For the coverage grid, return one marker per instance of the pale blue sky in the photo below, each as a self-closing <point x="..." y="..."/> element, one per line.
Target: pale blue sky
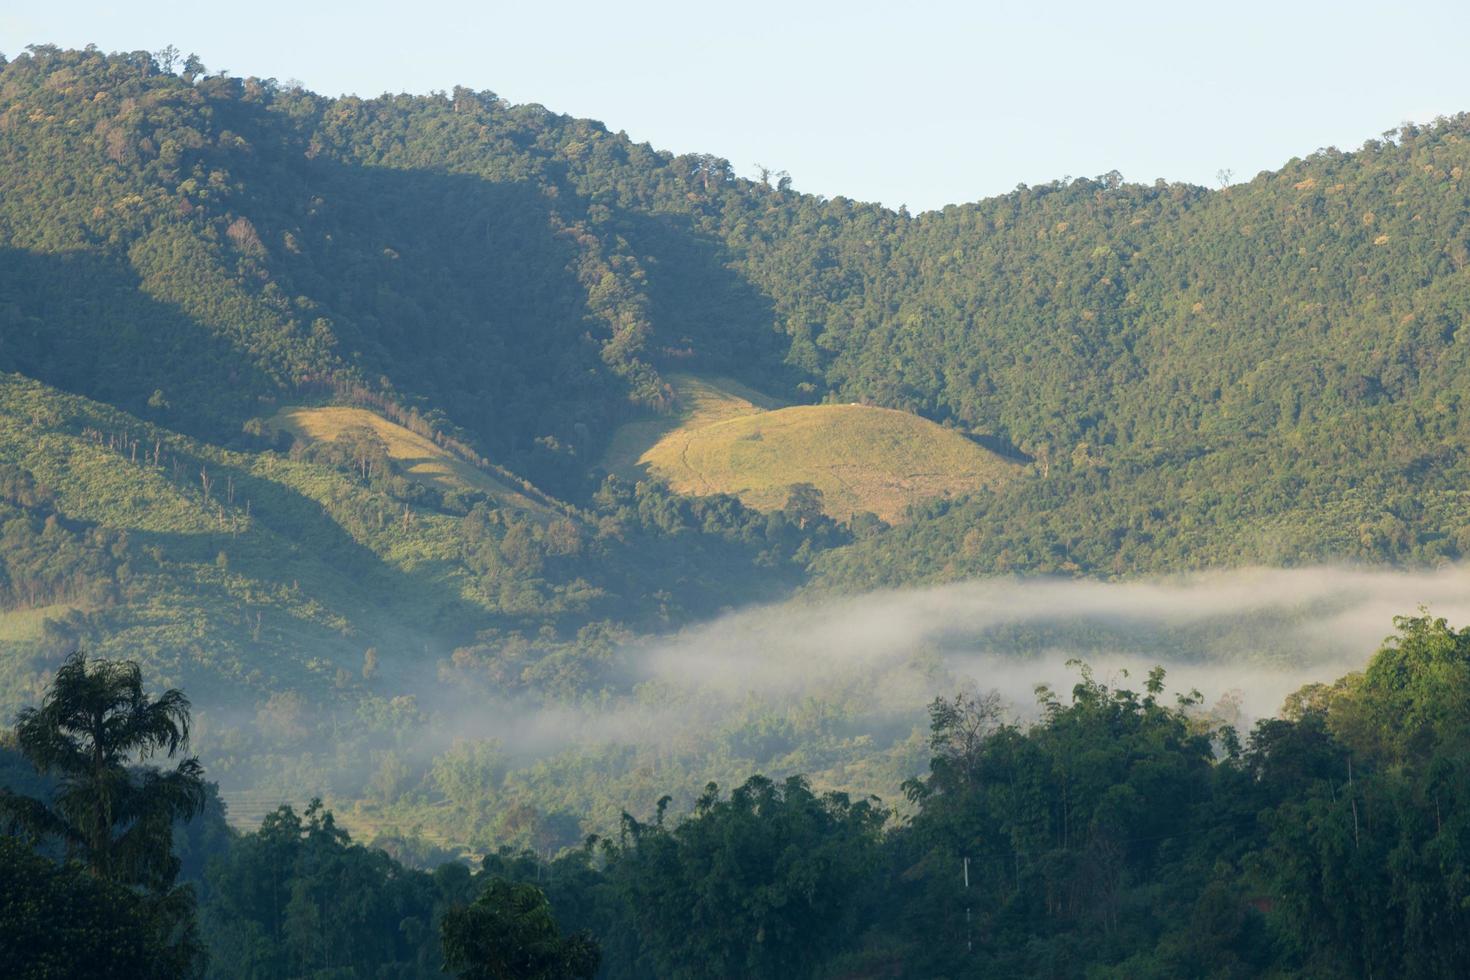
<point x="917" y="103"/>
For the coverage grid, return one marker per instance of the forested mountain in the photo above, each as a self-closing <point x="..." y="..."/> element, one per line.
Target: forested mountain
<point x="1177" y="378"/>
<point x="1183" y="365"/>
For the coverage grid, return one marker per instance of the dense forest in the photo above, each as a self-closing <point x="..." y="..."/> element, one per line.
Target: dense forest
<point x="1119" y="834"/>
<point x="1201" y="377"/>
<point x="524" y="650"/>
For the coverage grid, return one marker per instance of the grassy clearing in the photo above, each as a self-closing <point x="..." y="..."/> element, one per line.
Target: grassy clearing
<point x="420" y="458"/>
<point x="697" y="402"/>
<point x="26" y="625"/>
<point x="726" y="438"/>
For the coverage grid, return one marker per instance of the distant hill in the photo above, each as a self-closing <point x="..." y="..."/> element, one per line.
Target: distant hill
<point x="518" y="286"/>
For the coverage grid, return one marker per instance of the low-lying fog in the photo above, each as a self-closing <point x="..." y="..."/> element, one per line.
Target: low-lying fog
<point x="840" y="686"/>
<point x="1259" y="633"/>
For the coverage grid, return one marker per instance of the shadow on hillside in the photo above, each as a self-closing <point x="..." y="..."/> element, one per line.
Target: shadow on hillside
<point x="472" y="292"/>
<point x="1001" y="446"/>
<point x="474" y="295"/>
<point x="462" y="292"/>
<point x="467" y="297"/>
<point x="80" y="322"/>
<point x="299" y="542"/>
<point x="710" y="319"/>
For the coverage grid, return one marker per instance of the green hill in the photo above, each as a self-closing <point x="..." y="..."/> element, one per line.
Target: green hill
<point x="517" y="285"/>
<point x="260" y="580"/>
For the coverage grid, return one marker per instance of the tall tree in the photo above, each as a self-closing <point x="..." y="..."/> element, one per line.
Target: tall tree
<point x="56" y="920"/>
<point x="115" y="819"/>
<point x="93" y="729"/>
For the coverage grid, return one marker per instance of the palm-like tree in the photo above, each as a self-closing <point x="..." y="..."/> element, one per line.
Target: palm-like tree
<point x="93" y="730"/>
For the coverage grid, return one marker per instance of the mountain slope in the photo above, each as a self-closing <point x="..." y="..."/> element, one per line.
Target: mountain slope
<point x="521" y="284"/>
<point x="509" y="304"/>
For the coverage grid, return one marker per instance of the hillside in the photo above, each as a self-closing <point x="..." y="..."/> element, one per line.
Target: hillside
<point x="290" y="378"/>
<point x="419" y="458"/>
<point x="517" y="285"/>
<point x="694" y="402"/>
<point x="307" y="603"/>
<point x="728" y="439"/>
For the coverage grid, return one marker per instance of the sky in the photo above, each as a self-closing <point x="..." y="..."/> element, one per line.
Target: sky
<point x="922" y="103"/>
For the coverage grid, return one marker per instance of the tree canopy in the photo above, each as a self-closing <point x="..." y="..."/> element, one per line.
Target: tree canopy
<point x="111" y="815"/>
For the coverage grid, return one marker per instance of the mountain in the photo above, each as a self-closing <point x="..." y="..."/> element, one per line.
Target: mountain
<point x="312" y="403"/>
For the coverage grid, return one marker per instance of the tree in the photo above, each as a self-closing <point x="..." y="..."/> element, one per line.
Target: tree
<point x="114" y="818"/>
<point x="93" y="727"/>
<point x="762" y="884"/>
<point x="509" y="934"/>
<point x="167" y="57"/>
<point x="56" y="920"/>
<point x="298" y="898"/>
<point x="804" y="503"/>
<point x="957" y="732"/>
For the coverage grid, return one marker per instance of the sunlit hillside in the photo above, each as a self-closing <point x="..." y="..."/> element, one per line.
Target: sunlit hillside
<point x="418" y="458"/>
<point x="729" y="439"/>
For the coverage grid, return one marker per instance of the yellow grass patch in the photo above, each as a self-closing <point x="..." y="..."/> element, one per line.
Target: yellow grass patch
<point x="419" y="458"/>
<point x="697" y="401"/>
<point x="21" y="625"/>
<point x="729" y="439"/>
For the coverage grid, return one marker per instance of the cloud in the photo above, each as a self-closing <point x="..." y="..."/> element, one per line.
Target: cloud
<point x="883" y="656"/>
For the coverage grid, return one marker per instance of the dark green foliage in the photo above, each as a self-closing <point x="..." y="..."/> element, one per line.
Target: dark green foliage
<point x="1117" y="836"/>
<point x="1071" y="830"/>
<point x="111" y="815"/>
<point x="1370" y="859"/>
<point x="297" y="897"/>
<point x="59" y="921"/>
<point x="90" y="732"/>
<point x="762" y="884"/>
<point x="1110" y="835"/>
<point x="508" y="933"/>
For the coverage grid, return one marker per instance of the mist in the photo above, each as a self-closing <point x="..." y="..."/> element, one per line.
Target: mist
<point x="1259" y="634"/>
<point x="838" y="688"/>
<point x="1264" y="632"/>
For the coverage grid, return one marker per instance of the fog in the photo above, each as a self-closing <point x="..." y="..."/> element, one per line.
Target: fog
<point x="1261" y="633"/>
<point x="837" y="686"/>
